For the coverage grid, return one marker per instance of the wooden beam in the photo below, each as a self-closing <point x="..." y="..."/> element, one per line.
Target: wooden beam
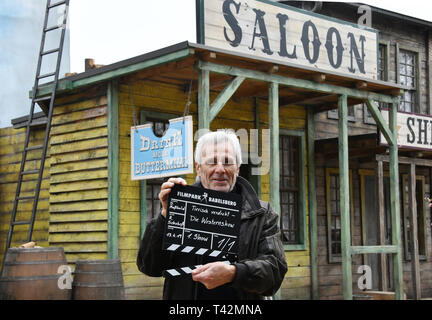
<point x="412" y="205"/>
<point x="320" y="78"/>
<point x="273" y="113"/>
<point x="362" y="85"/>
<point x="344" y="197"/>
<point x="113" y="170"/>
<point x="395" y="206"/>
<point x="204" y="99"/>
<point x="405" y="160"/>
<point x="313" y="219"/>
<point x="379" y="176"/>
<point x="294" y="82"/>
<point x="273" y="110"/>
<point x="224" y="96"/>
<point x="373" y="249"/>
<point x="376" y="114"/>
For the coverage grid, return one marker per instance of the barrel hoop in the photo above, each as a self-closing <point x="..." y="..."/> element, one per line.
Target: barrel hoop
<point x="36" y="250"/>
<point x="12" y="279"/>
<point x="98" y="272"/>
<point x="9" y="263"/>
<point x="95" y="285"/>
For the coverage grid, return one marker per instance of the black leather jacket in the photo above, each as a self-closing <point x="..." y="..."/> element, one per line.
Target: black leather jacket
<point x="261" y="264"/>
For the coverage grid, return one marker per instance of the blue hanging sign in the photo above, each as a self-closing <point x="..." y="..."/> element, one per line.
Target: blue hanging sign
<point x="171" y="155"/>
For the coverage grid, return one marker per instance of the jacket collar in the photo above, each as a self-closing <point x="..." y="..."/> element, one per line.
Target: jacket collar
<point x="251" y="206"/>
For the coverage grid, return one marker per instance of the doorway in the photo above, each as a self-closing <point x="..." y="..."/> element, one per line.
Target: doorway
<point x="371" y="229"/>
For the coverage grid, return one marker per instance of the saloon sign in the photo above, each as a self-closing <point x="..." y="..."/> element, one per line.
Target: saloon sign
<point x="289" y="35"/>
<point x="414" y="131"/>
<point x="156" y="157"/>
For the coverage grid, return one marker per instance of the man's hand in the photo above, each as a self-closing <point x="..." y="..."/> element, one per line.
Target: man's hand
<point x="214" y="274"/>
<point x="166" y="189"/>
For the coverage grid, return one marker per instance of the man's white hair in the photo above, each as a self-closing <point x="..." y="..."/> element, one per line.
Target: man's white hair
<point x="216" y="137"/>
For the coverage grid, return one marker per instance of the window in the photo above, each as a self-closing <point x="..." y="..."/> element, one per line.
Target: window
<point x="289" y="188"/>
<point x="333" y="214"/>
<point x="292" y="191"/>
<point x="382" y="62"/>
<point x="333" y="114"/>
<point x="408" y="78"/>
<point x="421" y="217"/>
<point x="383" y="76"/>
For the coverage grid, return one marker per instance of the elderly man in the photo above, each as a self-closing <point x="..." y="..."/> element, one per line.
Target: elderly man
<point x="261" y="263"/>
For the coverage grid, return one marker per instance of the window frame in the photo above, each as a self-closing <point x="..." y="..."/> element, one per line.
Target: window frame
<point x="302" y="201"/>
<point x="367" y="118"/>
<point x="332" y="258"/>
<point x="417" y="88"/>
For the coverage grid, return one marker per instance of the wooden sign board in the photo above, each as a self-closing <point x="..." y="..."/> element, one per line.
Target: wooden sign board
<point x="202" y="221"/>
<point x="155" y="157"/>
<point x="414" y="131"/>
<point x="287" y="34"/>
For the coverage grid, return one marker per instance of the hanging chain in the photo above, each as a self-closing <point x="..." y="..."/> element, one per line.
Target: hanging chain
<point x="189" y="102"/>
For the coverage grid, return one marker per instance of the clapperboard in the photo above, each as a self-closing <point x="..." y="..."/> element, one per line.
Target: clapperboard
<point x="202" y="222"/>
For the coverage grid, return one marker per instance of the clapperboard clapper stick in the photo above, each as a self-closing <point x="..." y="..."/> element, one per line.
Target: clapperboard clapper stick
<point x="176" y="272"/>
<point x="202" y="222"/>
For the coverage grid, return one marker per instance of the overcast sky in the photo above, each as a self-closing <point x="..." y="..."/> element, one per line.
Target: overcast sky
<point x="111" y="30"/>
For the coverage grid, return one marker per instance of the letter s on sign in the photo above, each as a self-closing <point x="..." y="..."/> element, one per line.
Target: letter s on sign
<point x="233" y="23"/>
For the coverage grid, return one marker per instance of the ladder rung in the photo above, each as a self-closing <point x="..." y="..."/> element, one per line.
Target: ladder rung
<point x="52" y="28"/>
<point x="46" y="75"/>
<point x="56" y="4"/>
<point x="50" y="51"/>
<point x="26" y="198"/>
<point x="46" y="98"/>
<point x="18" y="223"/>
<point x="34" y="148"/>
<point x="29" y="172"/>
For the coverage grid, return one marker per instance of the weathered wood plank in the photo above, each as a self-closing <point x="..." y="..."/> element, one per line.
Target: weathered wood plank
<point x="344" y="196"/>
<point x="79" y="136"/>
<point x="79" y="156"/>
<point x="77" y="227"/>
<point x="91" y="144"/>
<point x="79" y="206"/>
<point x="84" y="217"/>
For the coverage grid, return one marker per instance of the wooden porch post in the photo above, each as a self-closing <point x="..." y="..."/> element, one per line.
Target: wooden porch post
<point x="395" y="205"/>
<point x="274" y="145"/>
<point x="344" y="198"/>
<point x="273" y="110"/>
<point x="313" y="230"/>
<point x="113" y="170"/>
<point x="412" y="203"/>
<point x="382" y="230"/>
<point x="204" y="99"/>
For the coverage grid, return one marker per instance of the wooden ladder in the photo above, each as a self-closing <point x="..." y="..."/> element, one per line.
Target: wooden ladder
<point x="63" y="7"/>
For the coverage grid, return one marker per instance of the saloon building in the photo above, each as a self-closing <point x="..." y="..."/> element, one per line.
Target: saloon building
<point x="321" y="102"/>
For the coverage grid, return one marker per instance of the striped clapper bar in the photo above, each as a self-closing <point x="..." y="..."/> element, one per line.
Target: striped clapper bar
<point x="197" y="251"/>
<point x="182" y="271"/>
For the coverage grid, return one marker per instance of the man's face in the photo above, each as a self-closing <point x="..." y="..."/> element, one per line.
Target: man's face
<point x="218" y="169"/>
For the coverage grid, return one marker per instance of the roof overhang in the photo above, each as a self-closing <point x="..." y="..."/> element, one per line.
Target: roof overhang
<point x="177" y="64"/>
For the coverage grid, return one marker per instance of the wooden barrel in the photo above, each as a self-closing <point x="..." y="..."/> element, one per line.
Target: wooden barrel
<point x="32" y="274"/>
<point x="98" y="280"/>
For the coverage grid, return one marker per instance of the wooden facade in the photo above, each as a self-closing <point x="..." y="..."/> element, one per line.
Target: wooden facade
<point x="95" y="211"/>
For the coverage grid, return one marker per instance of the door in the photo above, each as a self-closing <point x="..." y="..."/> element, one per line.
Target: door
<point x="371" y="228"/>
